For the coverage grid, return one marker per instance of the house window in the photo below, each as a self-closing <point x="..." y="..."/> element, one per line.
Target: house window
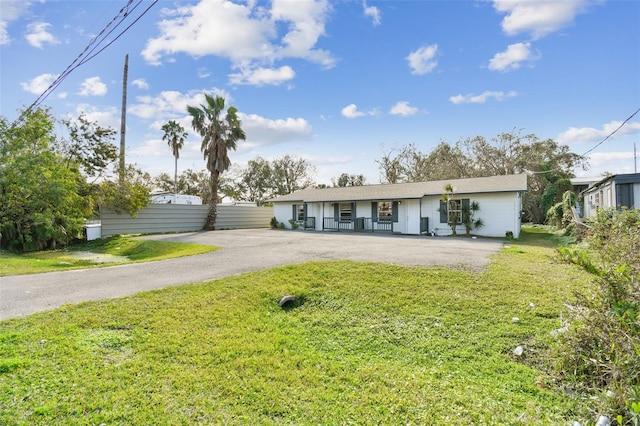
<point x="345" y="211"/>
<point x="384" y="210"/>
<point x="298" y="212"/>
<point x="455" y="211"/>
<point x="452" y="210"/>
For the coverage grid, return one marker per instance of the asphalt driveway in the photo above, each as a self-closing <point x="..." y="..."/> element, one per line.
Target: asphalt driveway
<point x="240" y="251"/>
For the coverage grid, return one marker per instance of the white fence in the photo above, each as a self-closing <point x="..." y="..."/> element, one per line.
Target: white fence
<point x="159" y="218"/>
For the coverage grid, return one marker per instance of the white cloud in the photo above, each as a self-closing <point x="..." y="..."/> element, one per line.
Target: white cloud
<point x="169" y="103"/>
<point x="403" y="108"/>
<point x="38" y="85"/>
<point x="584" y="135"/>
<point x="263" y="76"/>
<point x="351" y="111"/>
<point x="109" y="117"/>
<point x="372" y="12"/>
<point x="156" y="147"/>
<point x="306" y="21"/>
<point x="4" y="33"/>
<point x="483" y="97"/>
<point x="263" y="131"/>
<point x="612" y="162"/>
<point x="38" y="35"/>
<point x="140" y="83"/>
<point x="250" y="36"/>
<point x="203" y="72"/>
<point x="92" y="86"/>
<point x="422" y="61"/>
<point x="511" y="58"/>
<point x="538" y="18"/>
<point x="10" y="10"/>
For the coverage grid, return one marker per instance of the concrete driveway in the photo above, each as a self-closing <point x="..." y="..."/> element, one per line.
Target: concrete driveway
<point x="240" y="251"/>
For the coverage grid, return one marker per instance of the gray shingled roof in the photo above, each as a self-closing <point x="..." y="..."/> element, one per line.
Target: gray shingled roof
<point x="399" y="191"/>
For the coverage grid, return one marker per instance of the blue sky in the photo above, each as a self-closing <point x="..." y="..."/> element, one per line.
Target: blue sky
<point x="337" y="82"/>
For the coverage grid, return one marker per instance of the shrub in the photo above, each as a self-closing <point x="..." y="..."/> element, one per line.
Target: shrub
<point x="601" y="351"/>
<point x="294" y="224"/>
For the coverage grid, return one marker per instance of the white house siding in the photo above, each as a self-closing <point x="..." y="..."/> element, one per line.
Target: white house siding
<point x="500" y="213"/>
<point x="604" y="197"/>
<point x="282" y="213"/>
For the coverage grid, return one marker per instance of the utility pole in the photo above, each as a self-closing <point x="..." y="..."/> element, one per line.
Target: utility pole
<point x="123" y="117"/>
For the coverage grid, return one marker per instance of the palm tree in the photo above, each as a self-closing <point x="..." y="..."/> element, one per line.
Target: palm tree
<point x="219" y="134"/>
<point x="175" y="135"/>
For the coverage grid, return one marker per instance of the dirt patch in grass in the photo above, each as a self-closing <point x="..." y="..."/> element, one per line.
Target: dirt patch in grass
<point x="97" y="257"/>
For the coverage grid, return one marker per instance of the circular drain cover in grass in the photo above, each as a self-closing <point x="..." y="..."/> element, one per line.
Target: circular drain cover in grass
<point x="287" y="301"/>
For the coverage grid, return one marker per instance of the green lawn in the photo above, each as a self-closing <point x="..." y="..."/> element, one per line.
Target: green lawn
<point x="368" y="344"/>
<point x="131" y="249"/>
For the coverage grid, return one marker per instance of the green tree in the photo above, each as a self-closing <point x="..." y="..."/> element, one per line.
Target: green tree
<point x="255" y="182"/>
<point x="346" y="179"/>
<point x="89" y="145"/>
<point x="130" y="195"/>
<point x="468" y="216"/>
<point x="549" y="166"/>
<point x="41" y="207"/>
<point x="198" y="183"/>
<point x="453" y="210"/>
<point x="164" y="183"/>
<point x="219" y="134"/>
<point x="175" y="135"/>
<point x="561" y="214"/>
<point x="409" y="164"/>
<point x="290" y="174"/>
<point x="599" y="350"/>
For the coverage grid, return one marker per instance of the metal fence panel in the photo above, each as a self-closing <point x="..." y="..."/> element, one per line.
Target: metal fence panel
<point x="159" y="218"/>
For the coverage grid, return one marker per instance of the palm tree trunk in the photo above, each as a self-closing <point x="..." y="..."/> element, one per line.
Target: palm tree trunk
<point x="175" y="177"/>
<point x="212" y="215"/>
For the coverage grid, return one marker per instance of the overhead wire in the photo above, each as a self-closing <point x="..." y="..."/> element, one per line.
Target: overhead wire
<point x="95" y="42"/>
<point x="612" y="133"/>
<point x="596" y="145"/>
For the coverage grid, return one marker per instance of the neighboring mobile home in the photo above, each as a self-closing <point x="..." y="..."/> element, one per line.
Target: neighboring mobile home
<point x="406" y="208"/>
<point x="614" y="191"/>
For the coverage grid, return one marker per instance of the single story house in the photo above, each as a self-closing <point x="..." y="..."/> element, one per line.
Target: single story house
<point x="614" y="191"/>
<point x="406" y="208"/>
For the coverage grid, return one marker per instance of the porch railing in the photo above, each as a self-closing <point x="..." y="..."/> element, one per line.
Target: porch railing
<point x="361" y="224"/>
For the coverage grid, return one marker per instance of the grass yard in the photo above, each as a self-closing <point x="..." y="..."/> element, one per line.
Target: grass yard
<point x="118" y="250"/>
<point x="368" y="344"/>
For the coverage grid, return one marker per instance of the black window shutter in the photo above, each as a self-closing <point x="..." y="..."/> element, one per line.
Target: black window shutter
<point x="443" y="212"/>
<point x="304" y="214"/>
<point x="353" y="211"/>
<point x="394" y="211"/>
<point x="336" y="211"/>
<point x="465" y="207"/>
<point x="293" y="212"/>
<point x="374" y="211"/>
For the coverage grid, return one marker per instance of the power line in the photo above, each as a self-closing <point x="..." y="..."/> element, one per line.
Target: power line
<point x="612" y="133"/>
<point x="82" y="58"/>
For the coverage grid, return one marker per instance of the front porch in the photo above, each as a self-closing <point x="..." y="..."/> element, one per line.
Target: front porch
<point x="362" y="224"/>
<point x="358" y="224"/>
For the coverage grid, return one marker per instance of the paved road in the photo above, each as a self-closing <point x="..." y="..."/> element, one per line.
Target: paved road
<point x="240" y="251"/>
